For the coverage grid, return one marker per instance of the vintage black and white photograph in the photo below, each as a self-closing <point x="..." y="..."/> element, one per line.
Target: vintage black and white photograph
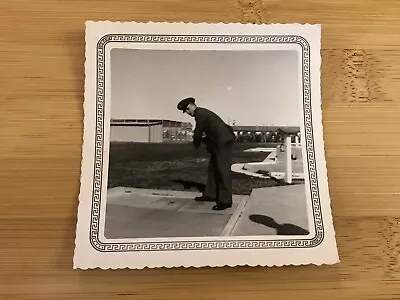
<point x="197" y="144"/>
<point x="220" y="127"/>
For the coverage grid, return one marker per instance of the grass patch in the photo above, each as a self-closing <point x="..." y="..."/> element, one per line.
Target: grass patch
<point x="174" y="166"/>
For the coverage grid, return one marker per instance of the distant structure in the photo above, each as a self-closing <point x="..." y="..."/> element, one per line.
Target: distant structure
<point x="169" y="131"/>
<point x="150" y="130"/>
<point x="265" y="134"/>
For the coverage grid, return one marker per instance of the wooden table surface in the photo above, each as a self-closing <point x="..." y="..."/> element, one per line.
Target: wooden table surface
<point x="41" y="115"/>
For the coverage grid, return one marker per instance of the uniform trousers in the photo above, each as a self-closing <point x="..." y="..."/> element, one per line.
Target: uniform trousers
<point x="219" y="181"/>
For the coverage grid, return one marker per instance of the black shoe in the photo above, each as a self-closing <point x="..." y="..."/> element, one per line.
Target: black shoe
<point x="204" y="199"/>
<point x="221" y="206"/>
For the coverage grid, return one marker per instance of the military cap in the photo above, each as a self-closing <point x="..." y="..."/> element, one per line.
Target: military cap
<point x="183" y="104"/>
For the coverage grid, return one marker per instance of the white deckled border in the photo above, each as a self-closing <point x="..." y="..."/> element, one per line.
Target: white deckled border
<point x="87" y="257"/>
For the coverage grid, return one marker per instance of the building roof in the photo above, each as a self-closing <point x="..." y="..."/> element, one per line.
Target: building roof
<point x="262" y="128"/>
<point x="148" y="122"/>
<point x="188" y="125"/>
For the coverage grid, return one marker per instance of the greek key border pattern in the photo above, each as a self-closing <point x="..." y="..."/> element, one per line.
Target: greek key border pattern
<point x="203" y="245"/>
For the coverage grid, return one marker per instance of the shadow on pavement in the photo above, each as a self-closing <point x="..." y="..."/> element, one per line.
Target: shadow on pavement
<point x="191" y="184"/>
<point x="281" y="229"/>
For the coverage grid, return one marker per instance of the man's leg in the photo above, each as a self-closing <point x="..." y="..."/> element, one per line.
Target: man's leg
<point x="211" y="186"/>
<point x="210" y="192"/>
<point x="224" y="180"/>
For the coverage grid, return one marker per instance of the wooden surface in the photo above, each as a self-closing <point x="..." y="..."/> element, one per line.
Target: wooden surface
<point x="42" y="77"/>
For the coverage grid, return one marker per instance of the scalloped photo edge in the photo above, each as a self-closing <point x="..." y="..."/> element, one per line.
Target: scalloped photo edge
<point x="94" y="250"/>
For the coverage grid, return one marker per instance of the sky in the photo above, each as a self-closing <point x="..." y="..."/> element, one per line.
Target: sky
<point x="251" y="88"/>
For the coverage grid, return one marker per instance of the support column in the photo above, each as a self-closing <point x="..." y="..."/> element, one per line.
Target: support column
<point x="288" y="160"/>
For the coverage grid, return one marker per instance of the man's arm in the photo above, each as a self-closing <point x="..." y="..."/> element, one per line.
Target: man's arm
<point x="201" y="122"/>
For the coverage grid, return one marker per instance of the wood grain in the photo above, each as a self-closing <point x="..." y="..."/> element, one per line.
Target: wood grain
<point x="41" y="80"/>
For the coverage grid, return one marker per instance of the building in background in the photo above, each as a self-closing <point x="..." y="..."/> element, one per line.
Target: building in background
<point x="264" y="134"/>
<point x="168" y="131"/>
<point x="149" y="131"/>
<point x="177" y="131"/>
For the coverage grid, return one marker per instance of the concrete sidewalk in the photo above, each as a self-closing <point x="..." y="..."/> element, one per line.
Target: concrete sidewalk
<point x="141" y="213"/>
<point x="278" y="210"/>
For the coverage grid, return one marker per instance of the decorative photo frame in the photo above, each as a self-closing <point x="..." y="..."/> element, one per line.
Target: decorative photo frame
<point x="280" y="206"/>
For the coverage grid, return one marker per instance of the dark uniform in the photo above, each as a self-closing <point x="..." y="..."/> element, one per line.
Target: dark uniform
<point x="218" y="138"/>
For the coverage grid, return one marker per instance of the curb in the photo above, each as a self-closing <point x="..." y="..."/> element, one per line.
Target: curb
<point x="230" y="226"/>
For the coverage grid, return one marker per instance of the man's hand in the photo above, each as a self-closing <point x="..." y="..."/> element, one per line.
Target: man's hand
<point x="206" y="140"/>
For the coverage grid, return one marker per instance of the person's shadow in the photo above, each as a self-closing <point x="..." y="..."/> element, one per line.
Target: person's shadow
<point x="281" y="229"/>
<point x="191" y="184"/>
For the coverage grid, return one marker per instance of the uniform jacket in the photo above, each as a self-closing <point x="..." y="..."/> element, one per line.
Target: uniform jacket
<point x="210" y="124"/>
